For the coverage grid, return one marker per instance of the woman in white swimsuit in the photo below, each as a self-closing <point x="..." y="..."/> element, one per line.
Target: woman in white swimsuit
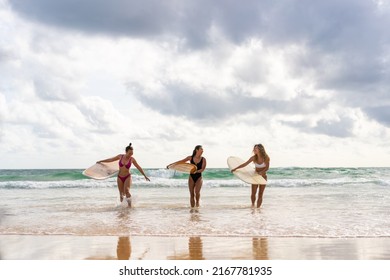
<point x="261" y="161"/>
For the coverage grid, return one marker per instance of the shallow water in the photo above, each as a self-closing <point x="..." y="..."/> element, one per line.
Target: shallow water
<point x="299" y="202"/>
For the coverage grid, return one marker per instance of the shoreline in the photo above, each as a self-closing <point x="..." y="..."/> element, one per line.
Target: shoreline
<point x="71" y="247"/>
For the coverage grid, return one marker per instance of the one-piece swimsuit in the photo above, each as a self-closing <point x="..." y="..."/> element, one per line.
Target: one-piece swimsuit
<point x="196" y="176"/>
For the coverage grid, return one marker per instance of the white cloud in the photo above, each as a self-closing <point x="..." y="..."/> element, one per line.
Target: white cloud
<point x="306" y="79"/>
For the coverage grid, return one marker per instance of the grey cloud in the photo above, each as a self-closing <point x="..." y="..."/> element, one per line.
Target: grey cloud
<point x="183" y="18"/>
<point x="328" y="23"/>
<point x="5" y="55"/>
<point x="335" y="128"/>
<point x="117" y="16"/>
<point x="179" y="99"/>
<point x="349" y="33"/>
<point x="340" y="128"/>
<point x="352" y="29"/>
<point x="133" y="18"/>
<point x="210" y="109"/>
<point x="380" y="114"/>
<point x="346" y="44"/>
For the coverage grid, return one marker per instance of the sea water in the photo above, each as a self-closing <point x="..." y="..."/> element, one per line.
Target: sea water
<point x="299" y="202"/>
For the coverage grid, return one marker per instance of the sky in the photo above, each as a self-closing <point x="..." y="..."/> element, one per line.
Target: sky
<point x="80" y="80"/>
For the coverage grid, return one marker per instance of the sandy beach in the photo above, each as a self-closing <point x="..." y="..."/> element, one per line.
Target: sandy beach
<point x="60" y="247"/>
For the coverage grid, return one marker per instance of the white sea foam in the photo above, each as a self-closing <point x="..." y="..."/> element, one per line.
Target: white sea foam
<point x="314" y="206"/>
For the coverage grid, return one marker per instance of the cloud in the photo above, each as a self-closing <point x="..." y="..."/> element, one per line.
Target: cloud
<point x="151" y="18"/>
<point x="329" y="24"/>
<point x="229" y="73"/>
<point x="100" y="115"/>
<point x="210" y="105"/>
<point x="6" y="55"/>
<point x="45" y="126"/>
<point x="336" y="128"/>
<point x="380" y="114"/>
<point x="342" y="45"/>
<point x="3" y="110"/>
<point x="56" y="88"/>
<point x="179" y="99"/>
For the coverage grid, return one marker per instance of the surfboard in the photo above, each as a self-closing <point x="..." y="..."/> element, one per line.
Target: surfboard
<point x="183" y="167"/>
<point x="101" y="171"/>
<point x="247" y="174"/>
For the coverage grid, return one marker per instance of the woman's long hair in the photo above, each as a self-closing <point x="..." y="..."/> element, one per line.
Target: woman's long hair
<point x="196" y="149"/>
<point x="263" y="153"/>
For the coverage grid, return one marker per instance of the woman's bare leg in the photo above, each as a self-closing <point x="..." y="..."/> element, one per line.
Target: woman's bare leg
<point x="120" y="189"/>
<point x="198" y="186"/>
<point x="253" y="194"/>
<point x="127" y="185"/>
<point x="191" y="187"/>
<point x="260" y="198"/>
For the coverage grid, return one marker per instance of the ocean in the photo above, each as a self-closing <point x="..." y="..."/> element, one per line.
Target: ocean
<point x="297" y="202"/>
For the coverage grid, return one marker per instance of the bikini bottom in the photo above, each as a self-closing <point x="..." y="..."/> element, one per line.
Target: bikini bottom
<point x="124" y="178"/>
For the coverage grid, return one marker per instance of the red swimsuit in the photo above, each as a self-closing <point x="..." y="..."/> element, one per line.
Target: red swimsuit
<point x="124" y="178"/>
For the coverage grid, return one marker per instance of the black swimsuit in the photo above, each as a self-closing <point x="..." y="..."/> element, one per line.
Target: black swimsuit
<point x="196" y="176"/>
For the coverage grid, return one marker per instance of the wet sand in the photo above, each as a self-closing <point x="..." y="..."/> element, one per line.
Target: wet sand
<point x="59" y="247"/>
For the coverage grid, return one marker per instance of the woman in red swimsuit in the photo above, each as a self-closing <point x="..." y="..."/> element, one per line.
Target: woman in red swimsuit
<point x="195" y="180"/>
<point x="124" y="176"/>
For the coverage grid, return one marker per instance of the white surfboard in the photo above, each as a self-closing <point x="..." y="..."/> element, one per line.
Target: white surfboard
<point x="247" y="174"/>
<point x="101" y="171"/>
<point x="183" y="167"/>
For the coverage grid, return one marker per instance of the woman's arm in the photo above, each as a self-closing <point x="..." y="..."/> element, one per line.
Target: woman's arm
<point x="140" y="169"/>
<point x="180" y="161"/>
<point x="110" y="159"/>
<point x="243" y="165"/>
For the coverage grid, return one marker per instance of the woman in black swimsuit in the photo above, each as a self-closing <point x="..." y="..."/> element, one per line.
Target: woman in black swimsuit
<point x="195" y="180"/>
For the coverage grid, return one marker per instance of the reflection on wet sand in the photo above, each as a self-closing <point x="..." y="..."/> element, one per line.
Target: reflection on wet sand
<point x="56" y="247"/>
<point x="123" y="250"/>
<point x="195" y="244"/>
<point x="195" y="250"/>
<point x="260" y="248"/>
